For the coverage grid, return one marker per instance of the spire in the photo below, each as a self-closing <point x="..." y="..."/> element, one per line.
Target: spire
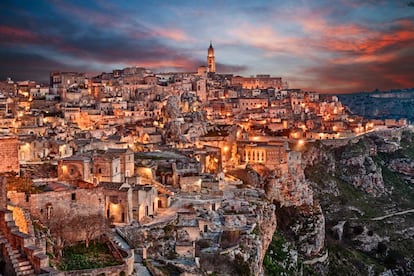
<point x="211" y="63"/>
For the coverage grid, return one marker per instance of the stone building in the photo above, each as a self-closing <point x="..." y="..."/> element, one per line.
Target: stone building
<point x="125" y="202"/>
<point x="60" y="196"/>
<point x="273" y="154"/>
<point x="112" y="165"/>
<point x="145" y="201"/>
<point x="252" y="103"/>
<point x="260" y="81"/>
<point x="9" y="157"/>
<point x="76" y="168"/>
<point x="127" y="161"/>
<point x="66" y="79"/>
<point x="118" y="202"/>
<point x="106" y="168"/>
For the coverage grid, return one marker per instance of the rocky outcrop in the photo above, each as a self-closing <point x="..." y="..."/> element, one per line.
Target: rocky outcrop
<point x="317" y="154"/>
<point x="171" y="110"/>
<point x="368" y="241"/>
<point x="289" y="186"/>
<point x="352" y="163"/>
<point x="288" y="190"/>
<point x="363" y="173"/>
<point x="365" y="187"/>
<point x="402" y="165"/>
<point x="305" y="227"/>
<point x="252" y="247"/>
<point x="267" y="226"/>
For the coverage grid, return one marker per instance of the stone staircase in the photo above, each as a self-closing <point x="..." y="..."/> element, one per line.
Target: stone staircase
<point x="20" y="252"/>
<point x="161" y="188"/>
<point x="21" y="265"/>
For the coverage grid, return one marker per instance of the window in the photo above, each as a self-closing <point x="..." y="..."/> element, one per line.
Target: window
<point x="99" y="170"/>
<point x="73" y="196"/>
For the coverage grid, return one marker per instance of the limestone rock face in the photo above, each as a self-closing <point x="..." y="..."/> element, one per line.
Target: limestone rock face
<point x="267" y="226"/>
<point x="173" y="131"/>
<point x="252" y="247"/>
<point x="402" y="165"/>
<point x="363" y="173"/>
<point x="352" y="163"/>
<point x="172" y="108"/>
<point x="368" y="240"/>
<point x="364" y="201"/>
<point x="305" y="226"/>
<point x="312" y="241"/>
<point x="289" y="187"/>
<point x="317" y="154"/>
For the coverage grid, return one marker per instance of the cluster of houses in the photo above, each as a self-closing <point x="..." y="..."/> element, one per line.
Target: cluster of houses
<point x="124" y="144"/>
<point x="93" y="128"/>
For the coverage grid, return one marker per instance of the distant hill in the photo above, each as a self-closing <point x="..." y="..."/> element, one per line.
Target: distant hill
<point x="393" y="104"/>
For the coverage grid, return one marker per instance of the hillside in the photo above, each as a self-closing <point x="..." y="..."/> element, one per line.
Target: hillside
<point x="381" y="105"/>
<point x="366" y="192"/>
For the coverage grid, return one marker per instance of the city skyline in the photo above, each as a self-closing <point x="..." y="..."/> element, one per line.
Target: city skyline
<point x="344" y="48"/>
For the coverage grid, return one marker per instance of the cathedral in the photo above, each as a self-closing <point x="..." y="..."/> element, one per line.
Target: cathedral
<point x="211" y="62"/>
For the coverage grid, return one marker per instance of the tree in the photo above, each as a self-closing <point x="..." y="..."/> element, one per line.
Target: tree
<point x="21" y="184"/>
<point x="93" y="226"/>
<point x="61" y="230"/>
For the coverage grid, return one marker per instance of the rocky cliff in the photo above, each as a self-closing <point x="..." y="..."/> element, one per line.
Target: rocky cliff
<point x="366" y="192"/>
<point x="300" y="236"/>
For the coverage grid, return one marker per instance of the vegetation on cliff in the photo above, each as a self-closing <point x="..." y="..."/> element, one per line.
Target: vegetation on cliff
<point x="365" y="231"/>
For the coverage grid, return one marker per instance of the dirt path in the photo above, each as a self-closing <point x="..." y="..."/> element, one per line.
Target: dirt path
<point x="394" y="214"/>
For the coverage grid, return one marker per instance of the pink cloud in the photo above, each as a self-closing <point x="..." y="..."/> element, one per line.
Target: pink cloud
<point x="171" y="63"/>
<point x="173" y="34"/>
<point x="17" y="34"/>
<point x="267" y="39"/>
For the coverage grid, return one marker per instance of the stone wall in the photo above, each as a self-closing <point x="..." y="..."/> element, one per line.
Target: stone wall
<point x="22" y="219"/>
<point x="145" y="202"/>
<point x="190" y="183"/>
<point x="9" y="157"/>
<point x="79" y="201"/>
<point x="23" y="244"/>
<point x="185" y="249"/>
<point x="118" y="205"/>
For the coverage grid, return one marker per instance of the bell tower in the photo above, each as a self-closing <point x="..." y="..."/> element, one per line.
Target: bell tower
<point x="211" y="61"/>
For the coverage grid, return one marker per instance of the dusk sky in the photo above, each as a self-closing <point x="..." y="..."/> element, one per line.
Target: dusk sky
<point x="347" y="46"/>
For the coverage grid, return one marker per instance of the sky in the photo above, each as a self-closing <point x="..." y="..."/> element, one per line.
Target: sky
<point x="340" y="46"/>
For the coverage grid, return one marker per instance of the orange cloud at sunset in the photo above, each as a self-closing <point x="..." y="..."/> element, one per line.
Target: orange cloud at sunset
<point x="174" y="34"/>
<point x="346" y="46"/>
